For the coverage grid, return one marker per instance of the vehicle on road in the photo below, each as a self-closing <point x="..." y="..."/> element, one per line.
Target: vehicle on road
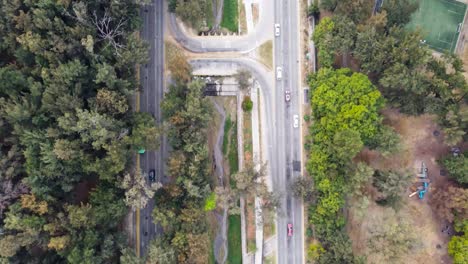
<point x="296" y="121"/>
<point x="279" y="73"/>
<point x="152" y="176"/>
<point x="277" y="30"/>
<point x="290" y="229"/>
<point x="287" y="95"/>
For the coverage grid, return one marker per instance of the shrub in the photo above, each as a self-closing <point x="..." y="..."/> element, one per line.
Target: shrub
<point x="247" y="104"/>
<point x="313" y="10"/>
<point x="210" y="202"/>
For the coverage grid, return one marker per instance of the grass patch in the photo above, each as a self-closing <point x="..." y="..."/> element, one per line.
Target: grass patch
<point x="265" y="51"/>
<point x="230" y="14"/>
<point x="247" y="130"/>
<point x="233" y="155"/>
<point x="227" y="127"/>
<point x="230" y="148"/>
<point x="234" y="240"/>
<point x="212" y="259"/>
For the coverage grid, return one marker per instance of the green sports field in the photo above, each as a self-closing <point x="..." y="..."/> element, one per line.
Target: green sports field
<point x="440" y="22"/>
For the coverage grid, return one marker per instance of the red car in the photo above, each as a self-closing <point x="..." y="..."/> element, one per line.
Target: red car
<point x="290" y="230"/>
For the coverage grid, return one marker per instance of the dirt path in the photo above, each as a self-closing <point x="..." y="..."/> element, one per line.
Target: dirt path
<point x="220" y="244"/>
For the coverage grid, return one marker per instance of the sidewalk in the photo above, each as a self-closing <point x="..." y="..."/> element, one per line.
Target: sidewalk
<point x="257" y="162"/>
<point x="249" y="14"/>
<point x="240" y="145"/>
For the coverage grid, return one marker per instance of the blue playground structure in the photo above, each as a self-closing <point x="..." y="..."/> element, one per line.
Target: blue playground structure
<point x="423" y="182"/>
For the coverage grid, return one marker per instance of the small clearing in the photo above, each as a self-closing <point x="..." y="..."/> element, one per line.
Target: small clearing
<point x="422" y="141"/>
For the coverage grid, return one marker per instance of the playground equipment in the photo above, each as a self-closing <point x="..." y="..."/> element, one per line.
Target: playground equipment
<point x="423" y="183"/>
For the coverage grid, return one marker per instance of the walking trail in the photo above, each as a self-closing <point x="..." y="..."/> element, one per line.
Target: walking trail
<point x="220" y="244"/>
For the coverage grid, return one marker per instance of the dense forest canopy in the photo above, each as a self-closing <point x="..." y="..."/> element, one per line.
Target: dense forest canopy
<point x="67" y="132"/>
<point x="411" y="79"/>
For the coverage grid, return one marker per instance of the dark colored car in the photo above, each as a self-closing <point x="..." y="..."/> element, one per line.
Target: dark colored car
<point x="287" y="95"/>
<point x="152" y="176"/>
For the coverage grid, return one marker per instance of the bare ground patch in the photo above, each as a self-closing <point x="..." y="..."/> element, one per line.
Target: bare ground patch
<point x="255" y="13"/>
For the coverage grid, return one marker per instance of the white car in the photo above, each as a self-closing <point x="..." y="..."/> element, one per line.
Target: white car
<point x="296" y="121"/>
<point x="277" y="30"/>
<point x="279" y="73"/>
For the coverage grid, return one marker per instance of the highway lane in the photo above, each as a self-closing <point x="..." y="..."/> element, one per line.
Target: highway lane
<point x="279" y="179"/>
<point x="290" y="249"/>
<point x="152" y="85"/>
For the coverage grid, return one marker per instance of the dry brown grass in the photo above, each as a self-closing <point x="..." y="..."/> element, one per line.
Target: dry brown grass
<point x="265" y="53"/>
<point x="420" y="145"/>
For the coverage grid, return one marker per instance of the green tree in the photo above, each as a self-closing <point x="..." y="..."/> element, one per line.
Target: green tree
<point x="145" y="134"/>
<point x="342" y="99"/>
<point x="346" y="144"/>
<point x="357" y="10"/>
<point x="243" y="77"/>
<point x="301" y="187"/>
<point x="137" y="192"/>
<point x="322" y="38"/>
<point x="343" y="37"/>
<point x="128" y="256"/>
<point x="457" y="167"/>
<point x="359" y="179"/>
<point x="161" y="252"/>
<point x="399" y="11"/>
<point x="391" y="185"/>
<point x="457" y="245"/>
<point x="387" y="142"/>
<point x="191" y="12"/>
<point x="329" y="5"/>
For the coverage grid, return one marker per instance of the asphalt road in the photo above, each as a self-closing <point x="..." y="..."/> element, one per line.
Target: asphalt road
<point x="286" y="52"/>
<point x="150" y="98"/>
